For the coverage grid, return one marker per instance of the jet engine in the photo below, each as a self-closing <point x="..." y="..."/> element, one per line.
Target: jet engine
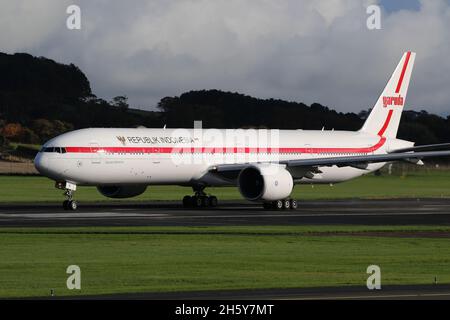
<point x="126" y="191"/>
<point x="265" y="182"/>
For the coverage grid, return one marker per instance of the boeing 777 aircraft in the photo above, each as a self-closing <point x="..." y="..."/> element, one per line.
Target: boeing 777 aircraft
<point x="121" y="163"/>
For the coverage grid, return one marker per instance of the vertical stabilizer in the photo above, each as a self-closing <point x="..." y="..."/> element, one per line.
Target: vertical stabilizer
<point x="385" y="116"/>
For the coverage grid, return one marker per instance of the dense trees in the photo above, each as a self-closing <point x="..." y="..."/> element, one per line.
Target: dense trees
<point x="40" y="98"/>
<point x="225" y="109"/>
<point x="31" y="86"/>
<point x="46" y="129"/>
<point x="120" y="102"/>
<point x="230" y="110"/>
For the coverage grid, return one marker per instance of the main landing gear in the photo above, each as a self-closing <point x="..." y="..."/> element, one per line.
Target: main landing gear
<point x="69" y="188"/>
<point x="200" y="199"/>
<point x="285" y="204"/>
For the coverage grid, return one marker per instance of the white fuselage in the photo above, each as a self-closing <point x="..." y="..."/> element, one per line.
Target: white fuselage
<point x="112" y="156"/>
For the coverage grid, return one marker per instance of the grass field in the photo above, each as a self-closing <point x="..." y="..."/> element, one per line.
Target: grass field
<point x="422" y="183"/>
<point x="153" y="259"/>
<point x="140" y="259"/>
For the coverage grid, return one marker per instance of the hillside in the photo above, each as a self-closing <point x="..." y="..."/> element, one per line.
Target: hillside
<point x="41" y="98"/>
<point x="233" y="110"/>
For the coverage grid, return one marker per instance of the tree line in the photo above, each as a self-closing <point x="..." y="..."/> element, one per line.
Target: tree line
<point x="40" y="99"/>
<point x="220" y="109"/>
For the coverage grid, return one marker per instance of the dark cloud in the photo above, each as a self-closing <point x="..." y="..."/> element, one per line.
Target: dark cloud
<point x="310" y="51"/>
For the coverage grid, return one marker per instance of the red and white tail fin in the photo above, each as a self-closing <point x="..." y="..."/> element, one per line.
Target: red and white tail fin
<point x="385" y="116"/>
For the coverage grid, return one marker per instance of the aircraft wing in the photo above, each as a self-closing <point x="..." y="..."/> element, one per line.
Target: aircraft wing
<point x="360" y="162"/>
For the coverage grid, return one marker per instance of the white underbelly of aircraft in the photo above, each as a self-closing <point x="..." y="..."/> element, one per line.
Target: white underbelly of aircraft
<point x="164" y="170"/>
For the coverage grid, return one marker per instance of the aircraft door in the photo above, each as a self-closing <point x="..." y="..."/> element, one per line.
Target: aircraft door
<point x="96" y="153"/>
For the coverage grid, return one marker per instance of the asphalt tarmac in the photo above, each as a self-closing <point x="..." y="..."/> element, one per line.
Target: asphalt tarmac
<point x="361" y="212"/>
<point x="401" y="292"/>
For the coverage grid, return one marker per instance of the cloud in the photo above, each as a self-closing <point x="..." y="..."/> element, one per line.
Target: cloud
<point x="309" y="51"/>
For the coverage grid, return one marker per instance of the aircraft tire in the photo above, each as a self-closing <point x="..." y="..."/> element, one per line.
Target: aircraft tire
<point x="213" y="201"/>
<point x="205" y="201"/>
<point x="278" y="204"/>
<point x="294" y="204"/>
<point x="188" y="201"/>
<point x="197" y="201"/>
<point x="72" y="205"/>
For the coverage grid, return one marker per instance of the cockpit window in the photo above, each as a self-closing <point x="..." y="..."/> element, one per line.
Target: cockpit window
<point x="54" y="149"/>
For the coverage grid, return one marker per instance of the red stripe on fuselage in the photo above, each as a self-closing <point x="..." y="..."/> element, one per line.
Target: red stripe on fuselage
<point x="400" y="80"/>
<point x="150" y="150"/>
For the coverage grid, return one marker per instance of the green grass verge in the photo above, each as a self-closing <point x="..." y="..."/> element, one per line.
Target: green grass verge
<point x="420" y="184"/>
<point x="143" y="259"/>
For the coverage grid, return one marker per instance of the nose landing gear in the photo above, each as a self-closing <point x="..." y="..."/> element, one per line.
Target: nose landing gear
<point x="69" y="188"/>
<point x="69" y="204"/>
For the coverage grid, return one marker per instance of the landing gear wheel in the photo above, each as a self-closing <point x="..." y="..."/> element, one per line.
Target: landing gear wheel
<point x="69" y="204"/>
<point x="294" y="204"/>
<point x="285" y="204"/>
<point x="197" y="201"/>
<point x="278" y="204"/>
<point x="205" y="202"/>
<point x="200" y="199"/>
<point x="188" y="201"/>
<point x="72" y="205"/>
<point x="213" y="201"/>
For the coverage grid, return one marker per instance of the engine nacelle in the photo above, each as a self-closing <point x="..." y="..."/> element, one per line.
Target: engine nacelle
<point x="127" y="191"/>
<point x="265" y="182"/>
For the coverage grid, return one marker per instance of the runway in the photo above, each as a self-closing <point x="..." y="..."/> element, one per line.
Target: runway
<point x="409" y="292"/>
<point x="391" y="292"/>
<point x="361" y="212"/>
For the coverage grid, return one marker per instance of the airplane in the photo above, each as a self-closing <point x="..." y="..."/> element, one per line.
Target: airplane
<point x="123" y="162"/>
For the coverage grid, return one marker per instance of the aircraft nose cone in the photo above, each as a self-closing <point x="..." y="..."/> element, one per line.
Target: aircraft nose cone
<point x="47" y="166"/>
<point x="41" y="163"/>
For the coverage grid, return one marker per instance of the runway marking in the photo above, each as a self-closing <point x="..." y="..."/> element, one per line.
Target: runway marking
<point x="437" y="205"/>
<point x="305" y="215"/>
<point x="78" y="215"/>
<point x="171" y="215"/>
<point x="370" y="296"/>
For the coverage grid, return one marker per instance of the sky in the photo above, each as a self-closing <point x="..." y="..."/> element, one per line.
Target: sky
<point x="297" y="50"/>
